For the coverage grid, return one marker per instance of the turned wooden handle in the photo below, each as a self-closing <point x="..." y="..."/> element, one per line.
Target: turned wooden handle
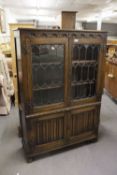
<point x="110" y="75"/>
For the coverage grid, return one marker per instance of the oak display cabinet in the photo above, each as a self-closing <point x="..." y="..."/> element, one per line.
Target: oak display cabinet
<point x="60" y="81"/>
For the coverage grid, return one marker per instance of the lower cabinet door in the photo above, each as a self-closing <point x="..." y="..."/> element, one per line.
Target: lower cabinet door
<point x="52" y="132"/>
<point x="46" y="133"/>
<point x="84" y="124"/>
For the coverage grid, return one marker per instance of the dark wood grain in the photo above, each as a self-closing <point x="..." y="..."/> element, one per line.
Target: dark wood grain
<point x="53" y="126"/>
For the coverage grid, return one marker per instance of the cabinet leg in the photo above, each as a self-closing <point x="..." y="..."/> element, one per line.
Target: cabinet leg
<point x="19" y="131"/>
<point x="95" y="140"/>
<point x="29" y="159"/>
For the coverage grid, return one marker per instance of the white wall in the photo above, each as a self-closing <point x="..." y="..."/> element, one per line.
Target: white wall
<point x="42" y="20"/>
<point x="10" y="18"/>
<point x="78" y="25"/>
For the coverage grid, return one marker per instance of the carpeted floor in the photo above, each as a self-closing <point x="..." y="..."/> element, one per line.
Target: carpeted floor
<point x="99" y="158"/>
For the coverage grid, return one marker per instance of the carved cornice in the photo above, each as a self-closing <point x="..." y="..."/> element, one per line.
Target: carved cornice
<point x="100" y="37"/>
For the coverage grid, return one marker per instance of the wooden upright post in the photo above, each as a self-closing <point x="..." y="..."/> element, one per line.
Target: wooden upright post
<point x="68" y="19"/>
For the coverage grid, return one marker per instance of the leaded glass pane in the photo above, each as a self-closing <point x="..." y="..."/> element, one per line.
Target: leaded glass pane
<point x="84" y="70"/>
<point x="48" y="74"/>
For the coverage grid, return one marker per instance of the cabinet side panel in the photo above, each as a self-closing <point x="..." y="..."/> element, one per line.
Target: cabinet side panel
<point x="18" y="64"/>
<point x="20" y="88"/>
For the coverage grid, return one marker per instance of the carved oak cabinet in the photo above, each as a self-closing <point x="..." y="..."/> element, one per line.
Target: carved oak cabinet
<point x="60" y="80"/>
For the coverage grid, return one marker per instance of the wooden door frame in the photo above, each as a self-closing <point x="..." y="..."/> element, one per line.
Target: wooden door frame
<point x="100" y="74"/>
<point x="33" y="41"/>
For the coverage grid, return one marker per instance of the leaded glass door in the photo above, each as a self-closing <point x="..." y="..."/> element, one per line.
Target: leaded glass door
<point x="49" y="61"/>
<point x="85" y="59"/>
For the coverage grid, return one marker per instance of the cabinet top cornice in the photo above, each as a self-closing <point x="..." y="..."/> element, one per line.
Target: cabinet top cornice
<point x="60" y="30"/>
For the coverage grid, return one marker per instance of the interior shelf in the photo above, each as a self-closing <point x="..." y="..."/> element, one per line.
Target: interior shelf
<point x="84" y="61"/>
<point x="82" y="83"/>
<point x="50" y="63"/>
<point x="46" y="88"/>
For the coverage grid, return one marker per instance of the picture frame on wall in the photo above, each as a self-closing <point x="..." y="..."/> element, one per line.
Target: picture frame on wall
<point x="2" y="21"/>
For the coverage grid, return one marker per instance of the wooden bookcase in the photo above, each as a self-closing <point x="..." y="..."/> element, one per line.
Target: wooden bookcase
<point x="60" y="79"/>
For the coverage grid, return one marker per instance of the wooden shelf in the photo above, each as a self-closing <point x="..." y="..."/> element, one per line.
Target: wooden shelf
<point x="47" y="88"/>
<point x="83" y="83"/>
<point x="48" y="63"/>
<point x="84" y="61"/>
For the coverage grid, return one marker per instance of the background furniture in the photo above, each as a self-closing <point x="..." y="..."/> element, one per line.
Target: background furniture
<point x="111" y="71"/>
<point x="2" y="21"/>
<point x="111" y="79"/>
<point x="60" y="79"/>
<point x="5" y="49"/>
<point x="6" y="87"/>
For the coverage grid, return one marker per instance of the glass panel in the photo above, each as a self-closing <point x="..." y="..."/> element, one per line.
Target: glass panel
<point x="84" y="70"/>
<point x="91" y="72"/>
<point x="82" y="52"/>
<point x="48" y="96"/>
<point x="89" y="53"/>
<point x="76" y="52"/>
<point x="95" y="52"/>
<point x="48" y="74"/>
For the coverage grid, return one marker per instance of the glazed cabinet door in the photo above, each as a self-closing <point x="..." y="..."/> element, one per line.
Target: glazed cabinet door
<point x="86" y="61"/>
<point x="47" y="65"/>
